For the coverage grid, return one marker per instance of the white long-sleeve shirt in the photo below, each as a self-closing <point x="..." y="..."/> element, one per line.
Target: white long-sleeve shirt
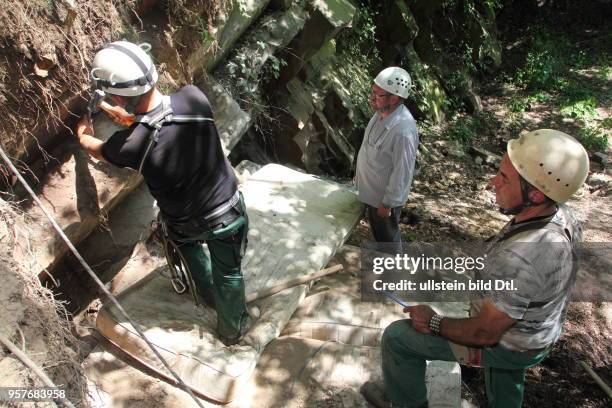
<point x="385" y="164"/>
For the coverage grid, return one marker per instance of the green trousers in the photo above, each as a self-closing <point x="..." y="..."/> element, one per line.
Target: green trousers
<point x="220" y="277"/>
<point x="404" y="354"/>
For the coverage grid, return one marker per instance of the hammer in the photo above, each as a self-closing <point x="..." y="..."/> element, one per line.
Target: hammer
<point x="93" y="106"/>
<point x="117" y="113"/>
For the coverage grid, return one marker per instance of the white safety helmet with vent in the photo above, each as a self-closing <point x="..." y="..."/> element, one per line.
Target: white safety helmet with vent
<point x="124" y="68"/>
<point x="394" y="80"/>
<point x="552" y="161"/>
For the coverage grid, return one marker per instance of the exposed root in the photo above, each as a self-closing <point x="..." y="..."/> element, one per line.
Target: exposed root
<point x="33" y="319"/>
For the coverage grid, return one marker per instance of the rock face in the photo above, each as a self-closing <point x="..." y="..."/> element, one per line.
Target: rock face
<point x="230" y="27"/>
<point x="454" y="39"/>
<point x="314" y="113"/>
<point x="279" y="78"/>
<point x="280" y="74"/>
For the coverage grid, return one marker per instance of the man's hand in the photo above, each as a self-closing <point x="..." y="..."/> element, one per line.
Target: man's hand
<point x="420" y="316"/>
<point x="85" y="132"/>
<point x="83" y="127"/>
<point x="383" y="212"/>
<point x="484" y="329"/>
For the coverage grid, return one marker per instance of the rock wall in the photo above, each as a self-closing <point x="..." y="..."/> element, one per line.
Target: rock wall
<point x="288" y="81"/>
<point x="255" y="58"/>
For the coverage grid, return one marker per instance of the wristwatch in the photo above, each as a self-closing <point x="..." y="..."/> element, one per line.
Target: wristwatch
<point x="434" y="324"/>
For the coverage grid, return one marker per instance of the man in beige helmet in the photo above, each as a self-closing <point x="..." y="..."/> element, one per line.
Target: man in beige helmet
<point x="509" y="330"/>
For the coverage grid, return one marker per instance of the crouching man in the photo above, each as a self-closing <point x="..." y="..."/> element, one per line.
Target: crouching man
<point x="508" y="331"/>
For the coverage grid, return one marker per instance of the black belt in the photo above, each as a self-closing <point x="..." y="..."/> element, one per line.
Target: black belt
<point x="221" y="216"/>
<point x="223" y="208"/>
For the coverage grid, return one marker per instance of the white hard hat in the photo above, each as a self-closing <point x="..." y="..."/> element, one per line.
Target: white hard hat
<point x="394" y="80"/>
<point x="124" y="68"/>
<point x="552" y="161"/>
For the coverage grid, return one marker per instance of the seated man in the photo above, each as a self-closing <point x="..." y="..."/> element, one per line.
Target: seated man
<point x="508" y="331"/>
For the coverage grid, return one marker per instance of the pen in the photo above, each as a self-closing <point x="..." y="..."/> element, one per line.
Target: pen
<point x="395" y="299"/>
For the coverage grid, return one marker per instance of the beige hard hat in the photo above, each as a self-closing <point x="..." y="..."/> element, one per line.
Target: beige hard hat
<point x="552" y="161"/>
<point x="124" y="68"/>
<point x="394" y="80"/>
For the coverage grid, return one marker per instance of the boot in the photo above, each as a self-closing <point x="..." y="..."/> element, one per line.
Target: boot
<point x="246" y="323"/>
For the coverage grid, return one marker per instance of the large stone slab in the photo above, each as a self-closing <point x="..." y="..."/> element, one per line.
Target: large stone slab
<point x="297" y="222"/>
<point x="78" y="193"/>
<point x="232" y="25"/>
<point x="334" y="312"/>
<point x="231" y="121"/>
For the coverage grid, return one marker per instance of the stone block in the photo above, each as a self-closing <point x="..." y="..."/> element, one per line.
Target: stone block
<point x="327" y="18"/>
<point x="241" y="74"/>
<point x="205" y="57"/>
<point x="231" y="121"/>
<point x="297" y="222"/>
<point x="77" y="193"/>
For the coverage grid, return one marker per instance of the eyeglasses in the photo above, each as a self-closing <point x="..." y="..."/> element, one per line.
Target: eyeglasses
<point x="372" y="93"/>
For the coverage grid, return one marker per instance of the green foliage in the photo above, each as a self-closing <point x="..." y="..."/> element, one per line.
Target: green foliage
<point x="207" y="39"/>
<point x="493" y="4"/>
<point x="556" y="69"/>
<point x="606" y="124"/>
<point x="461" y="130"/>
<point x="245" y="74"/>
<point x="468" y="128"/>
<point x="456" y="82"/>
<point x="583" y="109"/>
<point x="358" y="59"/>
<point x="520" y="103"/>
<point x="593" y="137"/>
<point x="273" y="66"/>
<point x="549" y="59"/>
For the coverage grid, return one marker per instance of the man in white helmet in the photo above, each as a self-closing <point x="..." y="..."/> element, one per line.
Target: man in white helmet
<point x="385" y="163"/>
<point x="508" y="330"/>
<point x="173" y="142"/>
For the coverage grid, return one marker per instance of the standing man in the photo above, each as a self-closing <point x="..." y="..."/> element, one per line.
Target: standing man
<point x="510" y="330"/>
<point x="385" y="164"/>
<point x="173" y="142"/>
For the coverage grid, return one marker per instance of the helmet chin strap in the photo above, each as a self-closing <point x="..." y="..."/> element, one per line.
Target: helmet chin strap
<point x="133" y="103"/>
<point x="525" y="188"/>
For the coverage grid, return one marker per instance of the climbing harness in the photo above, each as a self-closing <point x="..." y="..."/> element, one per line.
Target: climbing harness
<point x="158" y="119"/>
<point x="181" y="277"/>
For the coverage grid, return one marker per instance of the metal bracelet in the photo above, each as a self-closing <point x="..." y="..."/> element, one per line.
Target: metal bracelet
<point x="434" y="324"/>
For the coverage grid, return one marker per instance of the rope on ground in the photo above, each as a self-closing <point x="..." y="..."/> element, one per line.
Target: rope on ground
<point x="32" y="366"/>
<point x="92" y="274"/>
<point x="597" y="379"/>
